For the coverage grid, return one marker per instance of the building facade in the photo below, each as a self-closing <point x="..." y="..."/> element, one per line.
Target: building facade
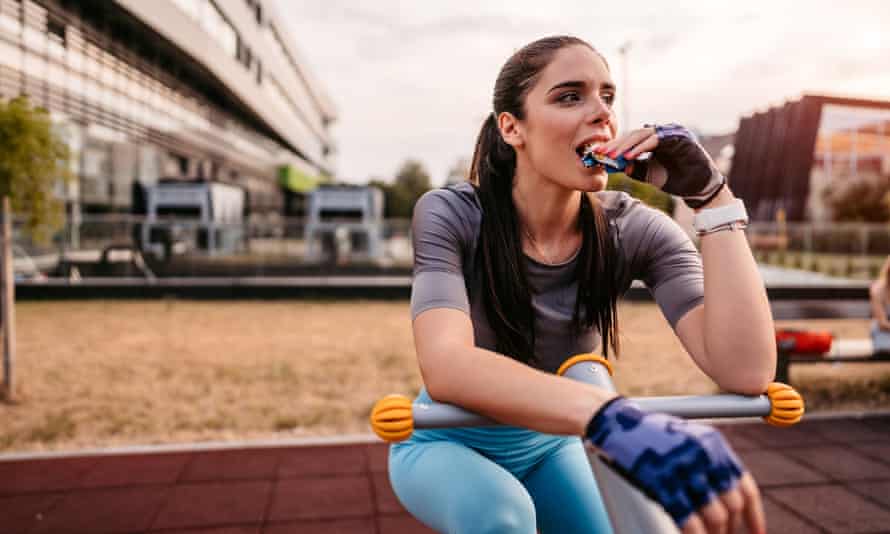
<point x="150" y="90"/>
<point x="787" y="158"/>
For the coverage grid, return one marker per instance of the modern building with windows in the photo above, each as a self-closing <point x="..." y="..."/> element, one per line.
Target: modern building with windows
<point x="150" y="90"/>
<point x="788" y="157"/>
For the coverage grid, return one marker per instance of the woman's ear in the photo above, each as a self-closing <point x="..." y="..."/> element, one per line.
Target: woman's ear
<point x="511" y="129"/>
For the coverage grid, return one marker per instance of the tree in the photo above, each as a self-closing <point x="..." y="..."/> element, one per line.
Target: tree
<point x="862" y="199"/>
<point x="412" y="180"/>
<point x="33" y="158"/>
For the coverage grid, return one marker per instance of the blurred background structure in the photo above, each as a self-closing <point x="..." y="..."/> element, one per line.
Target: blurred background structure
<point x="203" y="141"/>
<point x="815" y="176"/>
<point x="187" y="119"/>
<point x="799" y="160"/>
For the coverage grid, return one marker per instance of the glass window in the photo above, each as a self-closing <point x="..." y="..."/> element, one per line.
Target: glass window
<point x="34" y="65"/>
<point x="34" y="39"/>
<point x="852" y="144"/>
<point x="74" y="83"/>
<point x="56" y="31"/>
<point x="191" y="7"/>
<point x="9" y="22"/>
<point x="56" y="74"/>
<point x="75" y="60"/>
<point x="9" y="54"/>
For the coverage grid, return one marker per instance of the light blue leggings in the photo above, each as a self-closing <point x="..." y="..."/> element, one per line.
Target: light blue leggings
<point x="497" y="481"/>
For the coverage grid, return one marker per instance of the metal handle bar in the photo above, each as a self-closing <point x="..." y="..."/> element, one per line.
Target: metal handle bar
<point x="395" y="417"/>
<point x="441" y="415"/>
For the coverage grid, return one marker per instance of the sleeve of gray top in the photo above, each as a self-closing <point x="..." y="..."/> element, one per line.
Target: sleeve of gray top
<point x="438" y="231"/>
<point x="663" y="256"/>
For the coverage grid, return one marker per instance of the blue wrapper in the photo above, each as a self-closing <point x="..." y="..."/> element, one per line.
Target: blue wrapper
<point x="611" y="165"/>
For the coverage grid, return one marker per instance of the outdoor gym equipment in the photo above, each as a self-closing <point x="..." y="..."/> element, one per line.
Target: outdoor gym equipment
<point x="395" y="417"/>
<point x="812" y="346"/>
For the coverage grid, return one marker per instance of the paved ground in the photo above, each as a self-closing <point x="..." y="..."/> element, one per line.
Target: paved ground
<point x="825" y="475"/>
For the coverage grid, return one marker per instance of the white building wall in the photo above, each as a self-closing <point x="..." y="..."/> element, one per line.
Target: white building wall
<point x="298" y="117"/>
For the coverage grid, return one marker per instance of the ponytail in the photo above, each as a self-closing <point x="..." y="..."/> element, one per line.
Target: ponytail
<point x="506" y="292"/>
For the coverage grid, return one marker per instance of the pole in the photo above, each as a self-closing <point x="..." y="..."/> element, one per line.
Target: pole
<point x="7" y="294"/>
<point x="625" y="91"/>
<point x="629" y="510"/>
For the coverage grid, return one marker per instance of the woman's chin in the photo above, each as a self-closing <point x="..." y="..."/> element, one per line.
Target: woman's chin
<point x="596" y="181"/>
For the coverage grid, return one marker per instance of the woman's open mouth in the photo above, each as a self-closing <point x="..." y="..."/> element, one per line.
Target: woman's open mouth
<point x="589" y="158"/>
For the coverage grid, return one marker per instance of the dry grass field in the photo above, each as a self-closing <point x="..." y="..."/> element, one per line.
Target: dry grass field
<point x="107" y="373"/>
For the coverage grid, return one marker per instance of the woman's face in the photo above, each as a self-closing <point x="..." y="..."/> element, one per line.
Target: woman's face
<point x="569" y="107"/>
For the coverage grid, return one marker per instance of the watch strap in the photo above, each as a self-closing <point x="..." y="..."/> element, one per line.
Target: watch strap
<point x="709" y="219"/>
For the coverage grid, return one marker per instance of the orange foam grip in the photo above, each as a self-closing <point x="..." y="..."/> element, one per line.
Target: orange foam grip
<point x="787" y="405"/>
<point x="392" y="418"/>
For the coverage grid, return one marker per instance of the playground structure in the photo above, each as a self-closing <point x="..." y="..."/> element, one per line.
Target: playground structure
<point x="395" y="417"/>
<point x="344" y="224"/>
<point x="186" y="216"/>
<point x="802" y="346"/>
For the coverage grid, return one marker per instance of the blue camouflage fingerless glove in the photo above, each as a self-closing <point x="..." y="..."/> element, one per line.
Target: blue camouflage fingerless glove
<point x="680" y="166"/>
<point x="679" y="464"/>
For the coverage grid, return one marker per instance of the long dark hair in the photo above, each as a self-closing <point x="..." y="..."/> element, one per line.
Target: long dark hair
<point x="507" y="295"/>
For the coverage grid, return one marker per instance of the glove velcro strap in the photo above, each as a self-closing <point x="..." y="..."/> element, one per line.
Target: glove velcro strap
<point x="595" y="431"/>
<point x="707" y="195"/>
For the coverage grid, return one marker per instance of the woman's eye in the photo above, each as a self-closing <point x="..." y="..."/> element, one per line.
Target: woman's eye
<point x="568" y="98"/>
<point x="609" y="98"/>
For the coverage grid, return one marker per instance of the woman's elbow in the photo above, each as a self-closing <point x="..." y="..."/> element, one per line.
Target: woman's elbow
<point x="436" y="389"/>
<point x="747" y="384"/>
<point x="752" y="381"/>
<point x="750" y="376"/>
<point x="436" y="378"/>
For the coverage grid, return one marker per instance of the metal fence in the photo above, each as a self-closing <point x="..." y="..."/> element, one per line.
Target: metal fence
<point x="127" y="245"/>
<point x="133" y="246"/>
<point x="846" y="250"/>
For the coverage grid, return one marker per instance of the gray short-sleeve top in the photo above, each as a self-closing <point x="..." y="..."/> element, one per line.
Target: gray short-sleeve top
<point x="652" y="248"/>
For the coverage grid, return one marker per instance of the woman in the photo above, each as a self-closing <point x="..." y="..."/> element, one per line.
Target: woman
<point x="879" y="293"/>
<point x="521" y="268"/>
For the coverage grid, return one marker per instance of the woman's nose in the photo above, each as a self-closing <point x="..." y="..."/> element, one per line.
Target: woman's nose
<point x="599" y="112"/>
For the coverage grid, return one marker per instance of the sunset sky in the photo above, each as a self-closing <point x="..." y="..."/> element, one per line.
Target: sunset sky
<point x="413" y="79"/>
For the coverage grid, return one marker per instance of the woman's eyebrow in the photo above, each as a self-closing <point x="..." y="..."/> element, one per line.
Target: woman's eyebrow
<point x="580" y="84"/>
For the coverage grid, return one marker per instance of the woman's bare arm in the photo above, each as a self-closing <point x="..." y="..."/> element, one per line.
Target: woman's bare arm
<point x="456" y="372"/>
<point x="731" y="335"/>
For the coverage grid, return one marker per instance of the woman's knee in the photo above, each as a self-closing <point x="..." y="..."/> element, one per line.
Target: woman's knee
<point x="518" y="519"/>
<point x="510" y="512"/>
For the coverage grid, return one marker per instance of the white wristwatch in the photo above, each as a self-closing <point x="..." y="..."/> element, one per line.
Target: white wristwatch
<point x="729" y="217"/>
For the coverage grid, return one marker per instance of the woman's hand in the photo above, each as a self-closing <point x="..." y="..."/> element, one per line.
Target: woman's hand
<point x="688" y="468"/>
<point x="679" y="165"/>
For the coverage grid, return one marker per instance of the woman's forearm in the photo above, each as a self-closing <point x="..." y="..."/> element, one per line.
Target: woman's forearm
<point x="739" y="333"/>
<point x="511" y="392"/>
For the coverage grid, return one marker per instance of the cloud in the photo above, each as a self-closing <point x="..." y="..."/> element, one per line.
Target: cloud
<point x="414" y="79"/>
